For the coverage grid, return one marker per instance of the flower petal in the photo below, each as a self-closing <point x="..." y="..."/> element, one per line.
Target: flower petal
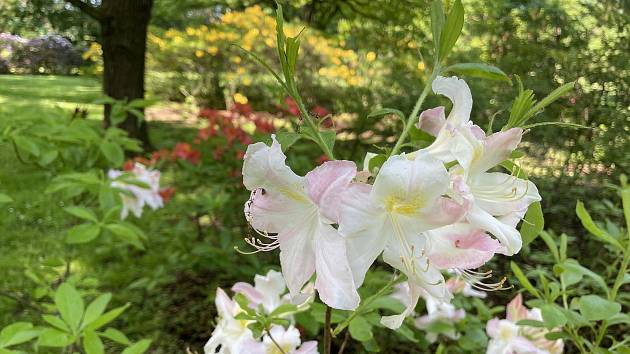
<point x="297" y="256"/>
<point x="254" y="296"/>
<point x="460" y="246"/>
<point x="497" y="148"/>
<point x="509" y="237"/>
<point x="309" y="347"/>
<point x="407" y="186"/>
<point x="459" y="93"/>
<point x="326" y="183"/>
<point x="432" y="120"/>
<point x="225" y="306"/>
<point x="264" y="167"/>
<point x="334" y="282"/>
<point x="502" y="194"/>
<point x="395" y="321"/>
<point x="361" y="225"/>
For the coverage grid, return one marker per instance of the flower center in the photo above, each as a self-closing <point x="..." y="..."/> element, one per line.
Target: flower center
<point x="398" y="205"/>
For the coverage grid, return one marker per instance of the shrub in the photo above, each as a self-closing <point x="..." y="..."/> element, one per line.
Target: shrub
<point x="49" y="54"/>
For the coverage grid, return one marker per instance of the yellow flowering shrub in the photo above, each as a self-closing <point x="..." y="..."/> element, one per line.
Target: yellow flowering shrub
<point x="208" y="63"/>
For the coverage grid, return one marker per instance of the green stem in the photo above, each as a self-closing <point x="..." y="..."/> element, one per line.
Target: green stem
<point x="414" y="113"/>
<point x="309" y="120"/>
<point x="327" y="334"/>
<point x="274" y="341"/>
<point x="340" y="327"/>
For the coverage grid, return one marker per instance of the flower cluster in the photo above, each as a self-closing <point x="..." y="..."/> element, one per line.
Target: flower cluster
<point x="506" y="336"/>
<point x="138" y="187"/>
<point x="427" y="212"/>
<point x="232" y="335"/>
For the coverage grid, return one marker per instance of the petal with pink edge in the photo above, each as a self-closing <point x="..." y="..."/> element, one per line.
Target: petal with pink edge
<point x="460" y="246"/>
<point x="254" y="296"/>
<point x="509" y="237"/>
<point x="432" y="120"/>
<point x="326" y="184"/>
<point x="297" y="256"/>
<point x="497" y="148"/>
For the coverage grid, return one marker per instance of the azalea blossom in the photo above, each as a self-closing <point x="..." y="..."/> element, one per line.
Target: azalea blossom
<point x="439" y="311"/>
<point x="231" y="334"/>
<point x="267" y="291"/>
<point x="506" y="337"/>
<point x="284" y="341"/>
<point x="137" y="195"/>
<point x="295" y="214"/>
<point x="497" y="201"/>
<point x="390" y="217"/>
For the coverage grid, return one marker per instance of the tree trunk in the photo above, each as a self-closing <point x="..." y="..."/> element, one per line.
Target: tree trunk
<point x="124" y="37"/>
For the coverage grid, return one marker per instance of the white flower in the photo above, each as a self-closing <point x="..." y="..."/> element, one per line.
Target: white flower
<point x="390" y="216"/>
<point x="287" y="339"/>
<point x="137" y="195"/>
<point x="296" y="214"/>
<point x="267" y="291"/>
<point x="497" y="201"/>
<point x="231" y="334"/>
<point x="439" y="311"/>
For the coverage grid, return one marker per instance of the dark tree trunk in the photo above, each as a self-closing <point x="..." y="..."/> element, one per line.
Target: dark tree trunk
<point x="124" y="26"/>
<point x="124" y="41"/>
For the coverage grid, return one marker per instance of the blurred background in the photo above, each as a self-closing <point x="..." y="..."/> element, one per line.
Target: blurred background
<point x="57" y="59"/>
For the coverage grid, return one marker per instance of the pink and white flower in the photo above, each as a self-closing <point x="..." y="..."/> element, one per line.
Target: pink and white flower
<point x="230" y="335"/>
<point x="390" y="217"/>
<point x="295" y="213"/>
<point x="140" y="189"/>
<point x="497" y="201"/>
<point x="267" y="291"/>
<point x="506" y="337"/>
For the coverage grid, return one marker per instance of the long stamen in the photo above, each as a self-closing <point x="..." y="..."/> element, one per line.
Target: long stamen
<point x="476" y="280"/>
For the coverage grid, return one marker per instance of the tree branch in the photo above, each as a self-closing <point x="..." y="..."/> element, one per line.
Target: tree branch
<point x="87" y="9"/>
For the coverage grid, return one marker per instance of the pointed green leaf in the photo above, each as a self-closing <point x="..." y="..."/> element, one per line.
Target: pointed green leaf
<point x="83" y="233"/>
<point x="81" y="212"/>
<point x="523" y="279"/>
<point x="70" y="305"/>
<point x="138" y="348"/>
<point x="437" y="23"/>
<point x="106" y="318"/>
<point x="386" y="111"/>
<point x="552" y="316"/>
<point x="590" y="225"/>
<point x="533" y="223"/>
<point x="113" y="152"/>
<point x="17" y="333"/>
<point x="360" y="329"/>
<point x="56" y="322"/>
<point x="479" y="70"/>
<point x="126" y="233"/>
<point x="92" y="344"/>
<point x="27" y="145"/>
<point x="286" y="139"/>
<point x="116" y="336"/>
<point x="96" y="308"/>
<point x="452" y="29"/>
<point x="51" y="337"/>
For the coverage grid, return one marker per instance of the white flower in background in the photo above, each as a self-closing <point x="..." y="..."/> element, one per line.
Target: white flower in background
<point x="390" y="216"/>
<point x="439" y="311"/>
<point x="506" y="337"/>
<point x="286" y="341"/>
<point x="267" y="291"/>
<point x="230" y="334"/>
<point x="295" y="213"/>
<point x="498" y="201"/>
<point x="137" y="195"/>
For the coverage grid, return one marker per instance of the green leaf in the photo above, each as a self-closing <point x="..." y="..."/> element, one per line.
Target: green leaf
<point x="437" y="23"/>
<point x="81" y="212"/>
<point x="17" y="333"/>
<point x="386" y="111"/>
<point x="96" y="308"/>
<point x="48" y="156"/>
<point x="70" y="305"/>
<point x="113" y="152"/>
<point x="531" y="323"/>
<point x="286" y="139"/>
<point x="552" y="316"/>
<point x="116" y="336"/>
<point x="452" y="29"/>
<point x="482" y="71"/>
<point x="523" y="279"/>
<point x="376" y="162"/>
<point x="551" y="244"/>
<point x="27" y="145"/>
<point x="138" y="348"/>
<point x="51" y="337"/>
<point x="360" y="329"/>
<point x="92" y="344"/>
<point x="550" y="98"/>
<point x="82" y="233"/>
<point x="106" y="318"/>
<point x="596" y="308"/>
<point x="533" y="223"/>
<point x="283" y="309"/>
<point x="126" y="233"/>
<point x="590" y="225"/>
<point x="5" y="198"/>
<point x="56" y="322"/>
<point x="329" y="137"/>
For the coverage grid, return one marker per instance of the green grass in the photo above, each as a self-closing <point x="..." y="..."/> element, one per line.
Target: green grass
<point x="25" y="96"/>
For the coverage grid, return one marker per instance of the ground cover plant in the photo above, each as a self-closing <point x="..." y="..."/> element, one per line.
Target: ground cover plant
<point x="264" y="223"/>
